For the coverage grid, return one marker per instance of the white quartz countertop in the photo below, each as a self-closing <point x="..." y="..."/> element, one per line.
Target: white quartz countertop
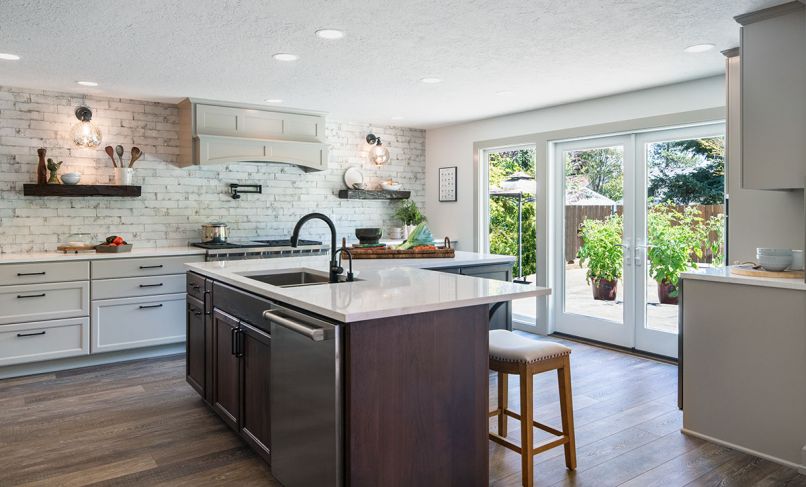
<point x="55" y="256"/>
<point x="385" y="287"/>
<point x="724" y="274"/>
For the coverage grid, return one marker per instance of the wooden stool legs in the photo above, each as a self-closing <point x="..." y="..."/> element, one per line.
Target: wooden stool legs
<point x="567" y="413"/>
<point x="527" y="449"/>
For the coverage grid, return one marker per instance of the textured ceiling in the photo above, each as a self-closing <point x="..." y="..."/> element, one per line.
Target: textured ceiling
<point x="545" y="51"/>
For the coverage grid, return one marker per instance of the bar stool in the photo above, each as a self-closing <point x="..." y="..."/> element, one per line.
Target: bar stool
<point x="513" y="354"/>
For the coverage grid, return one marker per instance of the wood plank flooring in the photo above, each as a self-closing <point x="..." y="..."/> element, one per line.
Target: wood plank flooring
<point x="139" y="423"/>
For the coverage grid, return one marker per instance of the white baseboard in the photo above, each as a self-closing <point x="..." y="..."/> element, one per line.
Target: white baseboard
<point x="89" y="360"/>
<point x="780" y="461"/>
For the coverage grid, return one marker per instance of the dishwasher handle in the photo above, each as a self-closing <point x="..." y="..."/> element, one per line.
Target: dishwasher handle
<point x="315" y="334"/>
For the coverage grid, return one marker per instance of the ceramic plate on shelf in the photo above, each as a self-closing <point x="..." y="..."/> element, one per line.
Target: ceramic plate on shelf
<point x="354" y="178"/>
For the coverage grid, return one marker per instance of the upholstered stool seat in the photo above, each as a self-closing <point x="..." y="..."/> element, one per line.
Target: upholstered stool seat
<point x="506" y="346"/>
<point x="514" y="354"/>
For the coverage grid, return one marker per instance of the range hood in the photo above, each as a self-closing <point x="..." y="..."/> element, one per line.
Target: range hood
<point x="213" y="132"/>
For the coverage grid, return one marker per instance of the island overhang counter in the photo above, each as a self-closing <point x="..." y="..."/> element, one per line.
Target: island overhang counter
<point x="394" y="391"/>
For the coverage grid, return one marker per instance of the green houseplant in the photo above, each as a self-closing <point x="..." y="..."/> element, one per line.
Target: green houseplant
<point x="602" y="252"/>
<point x="409" y="215"/>
<point x="674" y="237"/>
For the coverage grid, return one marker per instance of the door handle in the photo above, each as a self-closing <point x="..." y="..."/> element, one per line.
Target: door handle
<point x="315" y="334"/>
<point x="239" y="343"/>
<point x="233" y="336"/>
<point x="626" y="253"/>
<point x="639" y="258"/>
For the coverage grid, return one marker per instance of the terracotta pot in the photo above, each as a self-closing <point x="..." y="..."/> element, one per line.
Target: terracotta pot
<point x="604" y="290"/>
<point x="667" y="293"/>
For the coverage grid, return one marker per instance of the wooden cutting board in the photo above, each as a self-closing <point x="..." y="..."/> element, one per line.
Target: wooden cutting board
<point x="389" y="253"/>
<point x="747" y="270"/>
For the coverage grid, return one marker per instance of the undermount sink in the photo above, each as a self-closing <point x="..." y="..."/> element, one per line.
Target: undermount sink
<point x="293" y="278"/>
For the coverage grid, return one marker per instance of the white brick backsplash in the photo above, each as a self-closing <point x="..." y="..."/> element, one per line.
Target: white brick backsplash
<point x="176" y="201"/>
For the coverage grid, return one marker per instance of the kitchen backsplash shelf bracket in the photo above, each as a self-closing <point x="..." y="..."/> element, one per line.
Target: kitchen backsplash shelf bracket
<point x="81" y="190"/>
<point x="363" y="194"/>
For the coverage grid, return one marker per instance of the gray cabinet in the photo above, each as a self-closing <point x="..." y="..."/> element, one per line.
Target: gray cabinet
<point x="502" y="318"/>
<point x="222" y="133"/>
<point x="773" y="97"/>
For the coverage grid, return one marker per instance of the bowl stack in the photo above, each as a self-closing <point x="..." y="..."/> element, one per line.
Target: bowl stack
<point x="774" y="260"/>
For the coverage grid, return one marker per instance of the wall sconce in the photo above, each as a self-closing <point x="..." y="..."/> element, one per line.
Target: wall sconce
<point x="378" y="154"/>
<point x="85" y="133"/>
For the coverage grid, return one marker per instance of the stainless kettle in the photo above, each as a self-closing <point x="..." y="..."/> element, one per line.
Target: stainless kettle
<point x="215" y="233"/>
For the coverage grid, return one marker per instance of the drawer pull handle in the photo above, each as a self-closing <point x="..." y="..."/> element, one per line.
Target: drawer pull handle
<point x="23" y="274"/>
<point x="23" y="296"/>
<point x="151" y="285"/>
<point x="195" y="286"/>
<point x="151" y="266"/>
<point x="151" y="306"/>
<point x="30" y="334"/>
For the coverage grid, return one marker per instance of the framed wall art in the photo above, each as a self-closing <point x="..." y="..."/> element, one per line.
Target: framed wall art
<point x="447" y="184"/>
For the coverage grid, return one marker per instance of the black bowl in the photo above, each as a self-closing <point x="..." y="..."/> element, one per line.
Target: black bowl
<point x="368" y="236"/>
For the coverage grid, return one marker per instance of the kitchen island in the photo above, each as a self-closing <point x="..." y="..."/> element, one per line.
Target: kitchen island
<point x="381" y="381"/>
<point x="743" y="363"/>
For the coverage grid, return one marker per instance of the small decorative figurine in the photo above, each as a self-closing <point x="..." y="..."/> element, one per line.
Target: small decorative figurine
<point x="41" y="169"/>
<point x="53" y="167"/>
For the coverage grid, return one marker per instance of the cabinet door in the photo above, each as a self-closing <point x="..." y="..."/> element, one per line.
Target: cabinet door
<point x="773" y="100"/>
<point x="195" y="355"/>
<point x="255" y="346"/>
<point x="226" y="389"/>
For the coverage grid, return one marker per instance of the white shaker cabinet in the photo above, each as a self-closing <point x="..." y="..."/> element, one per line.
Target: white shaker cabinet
<point x="773" y="97"/>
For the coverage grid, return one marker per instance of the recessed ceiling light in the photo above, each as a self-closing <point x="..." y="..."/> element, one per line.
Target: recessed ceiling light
<point x="284" y="56"/>
<point x="431" y="80"/>
<point x="505" y="93"/>
<point x="87" y="83"/>
<point x="273" y="100"/>
<point x="699" y="48"/>
<point x="9" y="57"/>
<point x="397" y="117"/>
<point x="330" y="33"/>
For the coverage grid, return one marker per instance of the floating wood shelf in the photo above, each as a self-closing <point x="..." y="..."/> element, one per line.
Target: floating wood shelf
<point x="80" y="190"/>
<point x="363" y="194"/>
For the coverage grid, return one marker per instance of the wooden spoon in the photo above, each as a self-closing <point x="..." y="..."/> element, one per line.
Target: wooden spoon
<point x="119" y="150"/>
<point x="136" y="154"/>
<point x="111" y="153"/>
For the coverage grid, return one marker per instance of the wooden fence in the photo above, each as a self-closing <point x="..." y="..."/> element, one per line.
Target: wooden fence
<point x="575" y="215"/>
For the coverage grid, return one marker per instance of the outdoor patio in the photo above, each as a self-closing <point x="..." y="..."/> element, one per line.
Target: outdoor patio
<point x="579" y="300"/>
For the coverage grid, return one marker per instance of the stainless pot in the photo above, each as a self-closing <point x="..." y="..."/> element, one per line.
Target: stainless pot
<point x="215" y="232"/>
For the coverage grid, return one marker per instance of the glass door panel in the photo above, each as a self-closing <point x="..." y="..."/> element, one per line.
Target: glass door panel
<point x="682" y="223"/>
<point x="591" y="257"/>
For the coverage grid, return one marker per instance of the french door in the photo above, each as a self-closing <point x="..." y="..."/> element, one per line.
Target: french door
<point x="606" y="292"/>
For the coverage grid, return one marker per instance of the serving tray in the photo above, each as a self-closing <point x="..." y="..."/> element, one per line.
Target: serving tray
<point x="747" y="270"/>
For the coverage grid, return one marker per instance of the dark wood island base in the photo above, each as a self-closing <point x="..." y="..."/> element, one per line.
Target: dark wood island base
<point x="414" y="388"/>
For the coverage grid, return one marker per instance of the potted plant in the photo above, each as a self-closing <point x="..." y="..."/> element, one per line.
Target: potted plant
<point x="674" y="237"/>
<point x="602" y="252"/>
<point x="409" y="214"/>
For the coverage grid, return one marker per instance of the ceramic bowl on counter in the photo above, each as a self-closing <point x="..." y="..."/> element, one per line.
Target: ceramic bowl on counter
<point x="70" y="178"/>
<point x="368" y="236"/>
<point x="774" y="263"/>
<point x="774" y="252"/>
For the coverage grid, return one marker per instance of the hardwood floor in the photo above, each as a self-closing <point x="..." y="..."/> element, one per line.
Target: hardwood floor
<point x="139" y="423"/>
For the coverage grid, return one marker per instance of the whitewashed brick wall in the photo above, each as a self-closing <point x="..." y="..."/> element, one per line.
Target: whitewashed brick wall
<point x="176" y="201"/>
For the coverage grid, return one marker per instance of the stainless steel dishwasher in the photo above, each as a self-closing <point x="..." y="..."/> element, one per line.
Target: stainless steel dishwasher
<point x="305" y="400"/>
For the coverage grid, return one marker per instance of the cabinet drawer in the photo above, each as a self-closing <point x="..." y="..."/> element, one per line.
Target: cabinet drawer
<point x="44" y="340"/>
<point x="120" y="324"/>
<point x="44" y="272"/>
<point x="148" y="266"/>
<point x="130" y="287"/>
<point x="37" y="302"/>
<point x="195" y="285"/>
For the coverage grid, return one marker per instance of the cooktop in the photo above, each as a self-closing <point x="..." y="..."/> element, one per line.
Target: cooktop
<point x="254" y="243"/>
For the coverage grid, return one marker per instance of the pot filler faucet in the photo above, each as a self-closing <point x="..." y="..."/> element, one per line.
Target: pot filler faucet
<point x="335" y="268"/>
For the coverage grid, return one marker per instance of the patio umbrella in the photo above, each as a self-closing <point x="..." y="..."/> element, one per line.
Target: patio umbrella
<point x="517" y="185"/>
